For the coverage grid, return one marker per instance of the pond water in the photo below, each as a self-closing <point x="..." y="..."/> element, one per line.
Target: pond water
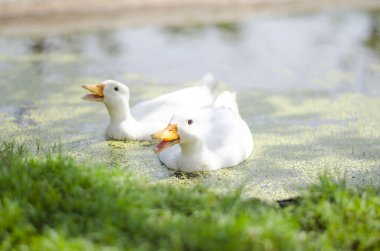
<point x="308" y="85"/>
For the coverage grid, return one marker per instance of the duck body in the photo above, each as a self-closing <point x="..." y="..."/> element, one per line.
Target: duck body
<point x="217" y="137"/>
<point x="147" y="117"/>
<point x="131" y="130"/>
<point x="162" y="108"/>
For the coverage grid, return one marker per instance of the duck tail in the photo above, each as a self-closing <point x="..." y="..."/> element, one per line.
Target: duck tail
<point x="227" y="100"/>
<point x="209" y="82"/>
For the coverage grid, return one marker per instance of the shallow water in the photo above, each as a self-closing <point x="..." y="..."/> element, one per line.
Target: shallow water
<point x="308" y="86"/>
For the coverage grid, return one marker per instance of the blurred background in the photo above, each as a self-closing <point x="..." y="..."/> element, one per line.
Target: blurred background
<point x="276" y="44"/>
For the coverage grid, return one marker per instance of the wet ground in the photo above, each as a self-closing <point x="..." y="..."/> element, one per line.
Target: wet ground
<point x="308" y="86"/>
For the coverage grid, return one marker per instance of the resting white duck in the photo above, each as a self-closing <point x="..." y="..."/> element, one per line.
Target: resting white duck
<point x="208" y="139"/>
<point x="147" y="117"/>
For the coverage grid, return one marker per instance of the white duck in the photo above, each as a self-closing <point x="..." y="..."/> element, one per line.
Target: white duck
<point x="147" y="117"/>
<point x="208" y="139"/>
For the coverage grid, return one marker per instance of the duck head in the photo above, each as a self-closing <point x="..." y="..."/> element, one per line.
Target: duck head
<point x="114" y="95"/>
<point x="181" y="130"/>
<point x="108" y="92"/>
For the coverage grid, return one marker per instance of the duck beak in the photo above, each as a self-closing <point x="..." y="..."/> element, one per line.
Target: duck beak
<point x="96" y="92"/>
<point x="169" y="137"/>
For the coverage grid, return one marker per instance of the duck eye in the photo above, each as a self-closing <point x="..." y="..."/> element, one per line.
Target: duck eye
<point x="116" y="89"/>
<point x="190" y="121"/>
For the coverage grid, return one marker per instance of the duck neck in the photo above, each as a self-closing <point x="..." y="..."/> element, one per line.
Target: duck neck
<point x="192" y="148"/>
<point x="120" y="113"/>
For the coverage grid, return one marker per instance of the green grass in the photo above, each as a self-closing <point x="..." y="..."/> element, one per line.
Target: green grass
<point x="53" y="203"/>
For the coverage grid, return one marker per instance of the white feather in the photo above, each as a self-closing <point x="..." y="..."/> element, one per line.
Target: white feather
<point x="147" y="117"/>
<point x="217" y="138"/>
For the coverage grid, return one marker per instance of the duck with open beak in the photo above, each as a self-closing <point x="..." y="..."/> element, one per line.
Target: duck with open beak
<point x="149" y="116"/>
<point x="169" y="137"/>
<point x="97" y="92"/>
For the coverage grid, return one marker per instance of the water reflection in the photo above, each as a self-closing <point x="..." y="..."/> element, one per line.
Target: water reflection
<point x="322" y="51"/>
<point x="74" y="43"/>
<point x="38" y="46"/>
<point x="185" y="30"/>
<point x="373" y="40"/>
<point x="227" y="30"/>
<point x="109" y="42"/>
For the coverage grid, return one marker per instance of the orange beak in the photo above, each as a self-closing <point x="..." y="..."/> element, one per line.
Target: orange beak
<point x="169" y="137"/>
<point x="97" y="92"/>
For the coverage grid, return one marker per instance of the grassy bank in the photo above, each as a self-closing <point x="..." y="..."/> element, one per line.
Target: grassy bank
<point x="53" y="203"/>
